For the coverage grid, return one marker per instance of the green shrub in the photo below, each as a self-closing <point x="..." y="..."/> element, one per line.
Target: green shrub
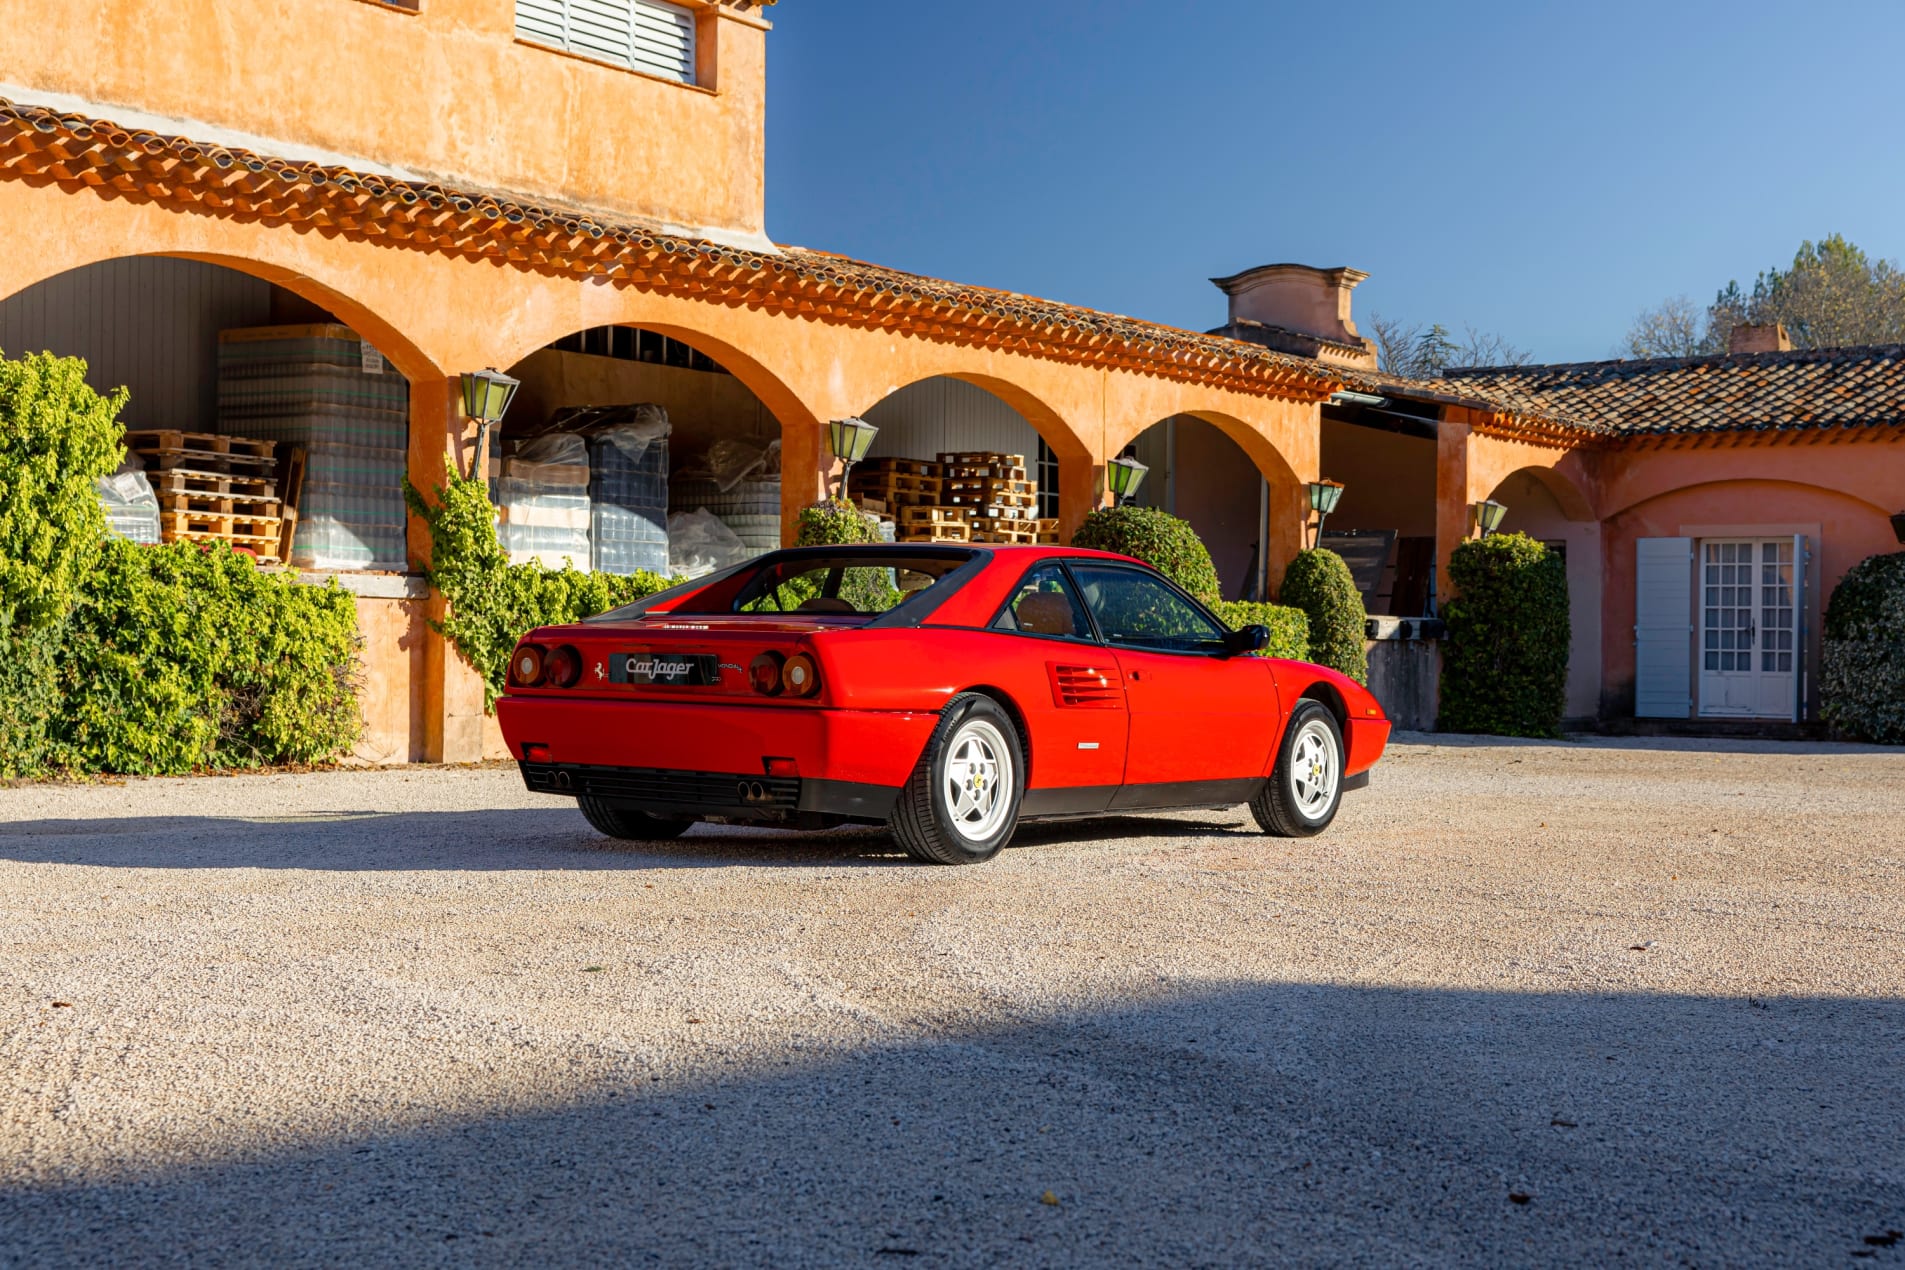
<point x="187" y="656"/>
<point x="493" y="603"/>
<point x="1161" y="540"/>
<point x="1505" y="665"/>
<point x="1862" y="657"/>
<point x="29" y="698"/>
<point x="57" y="436"/>
<point x="1289" y="628"/>
<point x="831" y="523"/>
<point x="1319" y="583"/>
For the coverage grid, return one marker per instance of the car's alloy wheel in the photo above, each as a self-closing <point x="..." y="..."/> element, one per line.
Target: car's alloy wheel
<point x="1302" y="795"/>
<point x="962" y="802"/>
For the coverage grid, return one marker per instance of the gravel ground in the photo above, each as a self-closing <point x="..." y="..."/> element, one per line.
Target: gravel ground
<point x="1524" y="1003"/>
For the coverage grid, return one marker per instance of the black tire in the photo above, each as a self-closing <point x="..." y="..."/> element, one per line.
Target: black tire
<point x="926" y="821"/>
<point x="629" y="824"/>
<point x="1289" y="805"/>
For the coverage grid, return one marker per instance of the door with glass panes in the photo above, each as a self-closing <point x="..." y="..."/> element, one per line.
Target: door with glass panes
<point x="1750" y="626"/>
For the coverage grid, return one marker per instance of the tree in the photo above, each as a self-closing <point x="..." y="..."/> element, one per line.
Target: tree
<point x="1832" y="296"/>
<point x="1415" y="351"/>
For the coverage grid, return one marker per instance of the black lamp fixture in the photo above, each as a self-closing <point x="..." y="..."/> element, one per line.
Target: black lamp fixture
<point x="1898" y="526"/>
<point x="486" y="395"/>
<point x="1488" y="515"/>
<point x="1324" y="495"/>
<point x="1123" y="475"/>
<point x="851" y="439"/>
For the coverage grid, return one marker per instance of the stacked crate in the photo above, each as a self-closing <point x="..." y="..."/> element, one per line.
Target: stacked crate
<point x="324" y="390"/>
<point x="212" y="487"/>
<point x="1002" y="504"/>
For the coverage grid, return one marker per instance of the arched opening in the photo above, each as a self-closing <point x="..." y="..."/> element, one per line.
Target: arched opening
<point x="1384" y="525"/>
<point x="259" y="410"/>
<point x="1546" y="506"/>
<point x="1199" y="471"/>
<point x="966" y="459"/>
<point x="633" y="448"/>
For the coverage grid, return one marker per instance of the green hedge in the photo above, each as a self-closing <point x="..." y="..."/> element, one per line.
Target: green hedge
<point x="832" y="523"/>
<point x="1505" y="665"/>
<point x="1862" y="657"/>
<point x="493" y="603"/>
<point x="1319" y="583"/>
<point x="1289" y="628"/>
<point x="1161" y="540"/>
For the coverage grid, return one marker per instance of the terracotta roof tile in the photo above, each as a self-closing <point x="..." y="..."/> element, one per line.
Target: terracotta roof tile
<point x="1847" y="388"/>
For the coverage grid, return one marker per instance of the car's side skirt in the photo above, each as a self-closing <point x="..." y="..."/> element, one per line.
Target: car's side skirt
<point x="1097" y="800"/>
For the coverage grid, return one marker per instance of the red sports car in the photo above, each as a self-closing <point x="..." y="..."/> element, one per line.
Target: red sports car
<point x="945" y="690"/>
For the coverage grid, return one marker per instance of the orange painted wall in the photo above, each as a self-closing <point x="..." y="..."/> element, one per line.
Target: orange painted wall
<point x="446" y="93"/>
<point x="392" y="668"/>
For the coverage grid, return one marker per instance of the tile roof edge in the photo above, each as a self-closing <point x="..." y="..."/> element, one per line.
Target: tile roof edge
<point x="1775" y="357"/>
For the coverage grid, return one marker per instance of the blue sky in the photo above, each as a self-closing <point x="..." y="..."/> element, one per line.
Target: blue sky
<point x="1541" y="170"/>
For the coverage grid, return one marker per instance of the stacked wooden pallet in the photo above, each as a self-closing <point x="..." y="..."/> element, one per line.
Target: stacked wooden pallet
<point x="213" y="487"/>
<point x="934" y="524"/>
<point x="994" y="487"/>
<point x="966" y="496"/>
<point x="895" y="483"/>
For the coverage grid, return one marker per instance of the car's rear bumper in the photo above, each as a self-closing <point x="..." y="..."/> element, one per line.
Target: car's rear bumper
<point x="693" y="754"/>
<point x="729" y="795"/>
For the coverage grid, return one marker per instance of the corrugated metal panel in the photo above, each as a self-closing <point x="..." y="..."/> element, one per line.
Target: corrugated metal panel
<point x="939" y="415"/>
<point x="150" y="323"/>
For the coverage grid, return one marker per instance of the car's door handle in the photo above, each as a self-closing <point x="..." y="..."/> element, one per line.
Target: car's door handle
<point x="1136" y="674"/>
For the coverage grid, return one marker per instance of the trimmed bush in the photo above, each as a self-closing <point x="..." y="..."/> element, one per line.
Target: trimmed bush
<point x="1289" y="628"/>
<point x="832" y="523"/>
<point x="1862" y="657"/>
<point x="1161" y="540"/>
<point x="1319" y="583"/>
<point x="1505" y="666"/>
<point x="57" y="436"/>
<point x="29" y="698"/>
<point x="493" y="603"/>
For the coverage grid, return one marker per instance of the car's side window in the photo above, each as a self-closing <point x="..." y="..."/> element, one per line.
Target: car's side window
<point x="1138" y="611"/>
<point x="1045" y="603"/>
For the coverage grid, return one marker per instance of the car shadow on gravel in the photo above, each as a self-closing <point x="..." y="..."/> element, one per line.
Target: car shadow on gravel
<point x="505" y="839"/>
<point x="1302" y="1123"/>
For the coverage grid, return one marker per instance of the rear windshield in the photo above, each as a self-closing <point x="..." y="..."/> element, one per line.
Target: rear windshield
<point x="847" y="584"/>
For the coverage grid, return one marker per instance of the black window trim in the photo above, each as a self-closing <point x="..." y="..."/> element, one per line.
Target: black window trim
<point x="1146" y="571"/>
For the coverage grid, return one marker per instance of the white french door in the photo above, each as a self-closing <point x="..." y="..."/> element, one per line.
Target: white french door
<point x="1751" y="615"/>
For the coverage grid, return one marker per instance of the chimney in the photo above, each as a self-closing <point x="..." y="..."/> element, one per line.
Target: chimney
<point x="1299" y="309"/>
<point x="1757" y="337"/>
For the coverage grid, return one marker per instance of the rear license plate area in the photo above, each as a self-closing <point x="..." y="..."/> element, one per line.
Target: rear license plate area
<point x="667" y="670"/>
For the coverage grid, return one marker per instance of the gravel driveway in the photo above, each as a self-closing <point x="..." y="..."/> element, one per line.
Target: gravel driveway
<point x="1524" y="1003"/>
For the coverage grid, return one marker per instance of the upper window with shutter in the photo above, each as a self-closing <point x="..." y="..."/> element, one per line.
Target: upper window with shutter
<point x="643" y="35"/>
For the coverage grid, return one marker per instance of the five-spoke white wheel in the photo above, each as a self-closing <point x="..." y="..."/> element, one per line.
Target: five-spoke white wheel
<point x="962" y="803"/>
<point x="1302" y="795"/>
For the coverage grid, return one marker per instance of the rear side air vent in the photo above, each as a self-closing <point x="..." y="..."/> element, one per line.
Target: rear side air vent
<point x="1086" y="687"/>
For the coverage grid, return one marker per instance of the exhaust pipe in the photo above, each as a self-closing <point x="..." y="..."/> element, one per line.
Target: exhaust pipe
<point x="564" y="780"/>
<point x="752" y="791"/>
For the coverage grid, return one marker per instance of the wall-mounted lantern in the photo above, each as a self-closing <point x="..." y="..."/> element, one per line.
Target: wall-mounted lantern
<point x="851" y="439"/>
<point x="1324" y="495"/>
<point x="1488" y="515"/>
<point x="486" y="395"/>
<point x="1123" y="475"/>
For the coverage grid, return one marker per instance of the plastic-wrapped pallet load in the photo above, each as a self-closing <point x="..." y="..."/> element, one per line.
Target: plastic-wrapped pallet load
<point x="542" y="501"/>
<point x="132" y="509"/>
<point x="322" y="388"/>
<point x="741" y="485"/>
<point x="628" y="484"/>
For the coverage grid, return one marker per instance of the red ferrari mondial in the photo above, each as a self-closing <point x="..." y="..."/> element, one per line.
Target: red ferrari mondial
<point x="947" y="691"/>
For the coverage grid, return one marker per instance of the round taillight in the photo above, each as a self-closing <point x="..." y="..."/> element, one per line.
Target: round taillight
<point x="526" y="666"/>
<point x="764" y="674"/>
<point x="565" y="667"/>
<point x="801" y="676"/>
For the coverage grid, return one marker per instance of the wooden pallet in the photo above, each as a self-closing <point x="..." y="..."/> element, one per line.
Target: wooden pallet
<point x="990" y="487"/>
<point x="261" y="532"/>
<point x="910" y="516"/>
<point x="143" y="439"/>
<point x="240" y="505"/>
<point x="1048" y="532"/>
<point x="1008" y="506"/>
<point x="880" y="484"/>
<point x="897" y="467"/>
<point x="1005" y="531"/>
<point x="185" y="483"/>
<point x="985" y="472"/>
<point x="944" y="531"/>
<point x="988" y="458"/>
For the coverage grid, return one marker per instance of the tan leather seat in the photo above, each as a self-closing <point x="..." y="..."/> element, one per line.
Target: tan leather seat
<point x="1046" y="613"/>
<point x="825" y="604"/>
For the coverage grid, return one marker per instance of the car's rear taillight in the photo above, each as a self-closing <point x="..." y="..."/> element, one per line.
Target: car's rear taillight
<point x="764" y="674"/>
<point x="526" y="666"/>
<point x="801" y="676"/>
<point x="564" y="667"/>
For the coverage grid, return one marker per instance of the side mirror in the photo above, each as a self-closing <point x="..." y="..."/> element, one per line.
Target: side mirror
<point x="1251" y="639"/>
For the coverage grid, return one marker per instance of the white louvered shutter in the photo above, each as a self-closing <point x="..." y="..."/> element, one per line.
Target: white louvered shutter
<point x="542" y="21"/>
<point x="600" y="28"/>
<point x="1663" y="628"/>
<point x="664" y="41"/>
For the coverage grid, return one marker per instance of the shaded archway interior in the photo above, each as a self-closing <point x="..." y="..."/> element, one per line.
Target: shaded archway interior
<point x="1197" y="470"/>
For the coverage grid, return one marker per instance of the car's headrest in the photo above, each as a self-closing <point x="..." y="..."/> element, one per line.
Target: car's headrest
<point x="1046" y="613"/>
<point x="825" y="604"/>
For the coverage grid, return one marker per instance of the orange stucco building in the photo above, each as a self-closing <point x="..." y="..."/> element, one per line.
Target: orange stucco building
<point x="473" y="183"/>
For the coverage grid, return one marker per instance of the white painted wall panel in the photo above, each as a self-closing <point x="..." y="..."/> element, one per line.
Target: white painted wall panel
<point x="1663" y="628"/>
<point x="150" y="323"/>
